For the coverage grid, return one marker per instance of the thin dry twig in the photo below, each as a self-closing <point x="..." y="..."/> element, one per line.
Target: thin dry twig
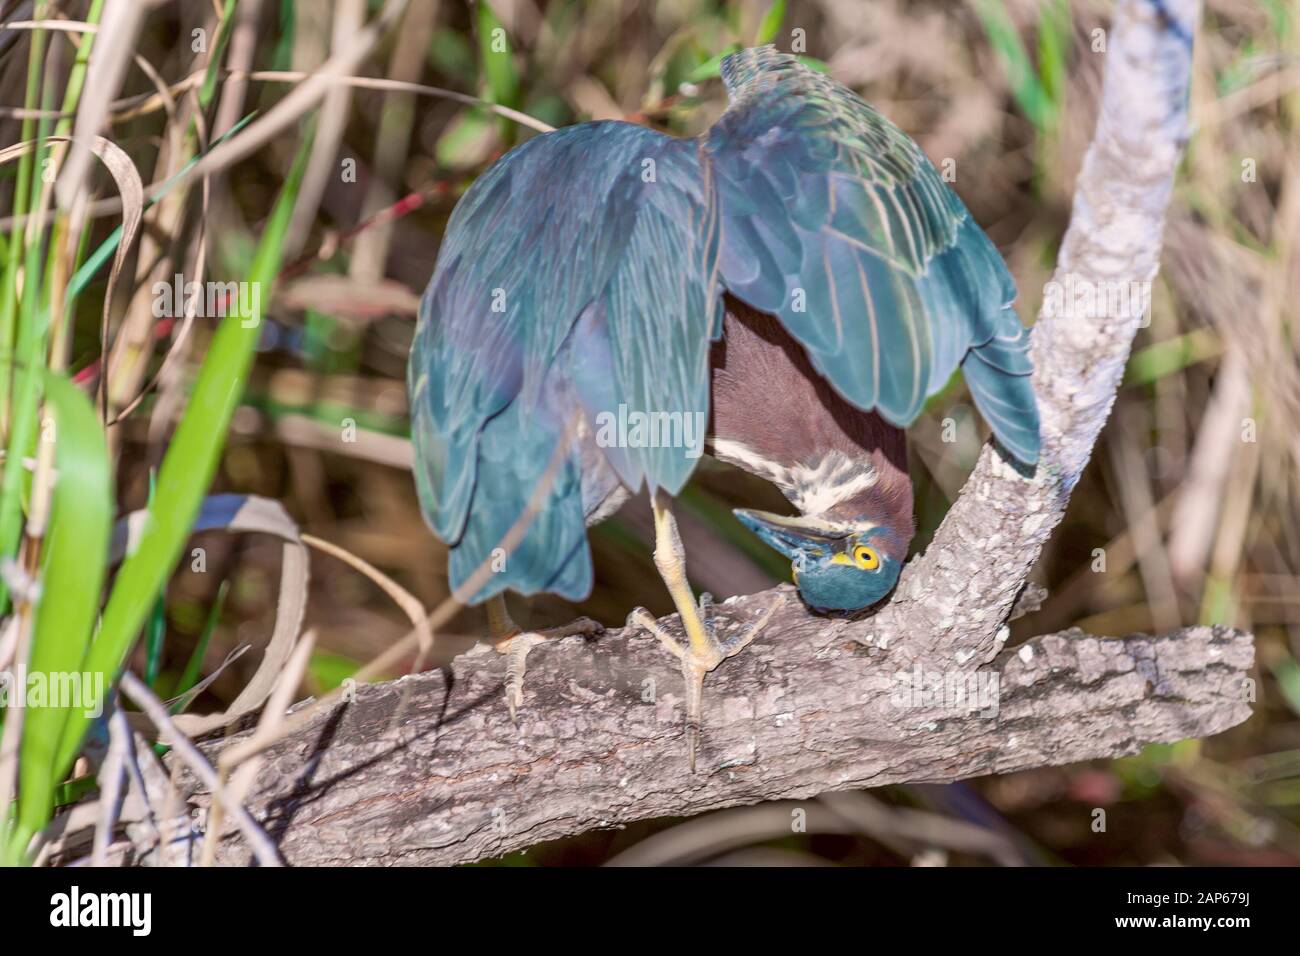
<point x="403" y="598"/>
<point x="112" y="774"/>
<point x="241" y="776"/>
<point x="262" y="846"/>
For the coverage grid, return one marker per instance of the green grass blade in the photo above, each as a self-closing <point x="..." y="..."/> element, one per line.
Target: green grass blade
<point x="500" y="78"/>
<point x="155" y="630"/>
<point x="1025" y="86"/>
<point x="26" y="402"/>
<point x="80" y="66"/>
<point x="31" y="335"/>
<point x="190" y="676"/>
<point x="155" y="635"/>
<point x="191" y="460"/>
<point x="75" y="557"/>
<point x="23" y="185"/>
<point x="1054" y="29"/>
<point x="209" y="87"/>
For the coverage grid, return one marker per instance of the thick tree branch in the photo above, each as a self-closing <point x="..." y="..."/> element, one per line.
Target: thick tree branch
<point x="600" y="738"/>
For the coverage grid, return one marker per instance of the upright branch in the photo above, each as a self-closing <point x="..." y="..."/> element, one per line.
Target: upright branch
<point x="952" y="601"/>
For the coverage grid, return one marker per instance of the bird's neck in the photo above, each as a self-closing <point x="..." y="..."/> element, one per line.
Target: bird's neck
<point x="871" y="491"/>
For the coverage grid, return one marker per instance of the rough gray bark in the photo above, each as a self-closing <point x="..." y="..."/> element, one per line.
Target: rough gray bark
<point x="954" y="598"/>
<point x="814" y="704"/>
<point x="805" y="710"/>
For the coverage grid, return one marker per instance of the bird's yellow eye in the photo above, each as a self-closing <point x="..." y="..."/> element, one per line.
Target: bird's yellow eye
<point x="865" y="558"/>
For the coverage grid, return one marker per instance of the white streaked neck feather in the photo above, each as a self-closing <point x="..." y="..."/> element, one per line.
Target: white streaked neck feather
<point x="813" y="487"/>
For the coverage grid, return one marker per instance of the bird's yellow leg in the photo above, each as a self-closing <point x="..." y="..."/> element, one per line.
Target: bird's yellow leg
<point x="704" y="651"/>
<point x="670" y="559"/>
<point x="515" y="643"/>
<point x="501" y="626"/>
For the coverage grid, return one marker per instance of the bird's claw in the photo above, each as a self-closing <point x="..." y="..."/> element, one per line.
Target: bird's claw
<point x="698" y="658"/>
<point x="516" y="648"/>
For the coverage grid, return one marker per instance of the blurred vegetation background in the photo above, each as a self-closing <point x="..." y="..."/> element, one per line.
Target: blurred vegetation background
<point x="1187" y="513"/>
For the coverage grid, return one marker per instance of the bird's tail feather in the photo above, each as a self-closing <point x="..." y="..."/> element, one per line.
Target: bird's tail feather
<point x="516" y="451"/>
<point x="1005" y="400"/>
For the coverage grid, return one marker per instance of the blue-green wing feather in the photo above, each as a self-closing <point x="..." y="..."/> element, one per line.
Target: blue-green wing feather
<point x="607" y="223"/>
<point x="835" y="221"/>
<point x="513" y="451"/>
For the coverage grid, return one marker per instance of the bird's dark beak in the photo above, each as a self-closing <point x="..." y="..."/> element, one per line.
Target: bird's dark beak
<point x="791" y="536"/>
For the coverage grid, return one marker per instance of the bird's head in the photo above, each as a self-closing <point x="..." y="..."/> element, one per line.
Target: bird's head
<point x="838" y="566"/>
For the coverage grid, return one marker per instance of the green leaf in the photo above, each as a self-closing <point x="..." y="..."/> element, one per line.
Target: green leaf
<point x="467" y="141"/>
<point x="451" y="54"/>
<point x="328" y="670"/>
<point x="710" y="68"/>
<point x="1171" y="356"/>
<point x="771" y="23"/>
<point x="282" y="55"/>
<point x="821" y="66"/>
<point x="75" y="556"/>
<point x="1287" y="672"/>
<point x="498" y="62"/>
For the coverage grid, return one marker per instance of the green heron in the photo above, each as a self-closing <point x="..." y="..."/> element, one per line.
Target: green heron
<point x="783" y="292"/>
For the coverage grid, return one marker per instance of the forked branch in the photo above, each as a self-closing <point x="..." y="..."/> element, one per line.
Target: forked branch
<point x="817" y="704"/>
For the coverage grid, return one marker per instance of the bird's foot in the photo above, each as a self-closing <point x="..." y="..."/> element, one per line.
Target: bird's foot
<point x="516" y="647"/>
<point x="703" y="652"/>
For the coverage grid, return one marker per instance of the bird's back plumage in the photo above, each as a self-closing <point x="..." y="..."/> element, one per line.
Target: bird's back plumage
<point x="575" y="277"/>
<point x="583" y="275"/>
<point x="835" y="220"/>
